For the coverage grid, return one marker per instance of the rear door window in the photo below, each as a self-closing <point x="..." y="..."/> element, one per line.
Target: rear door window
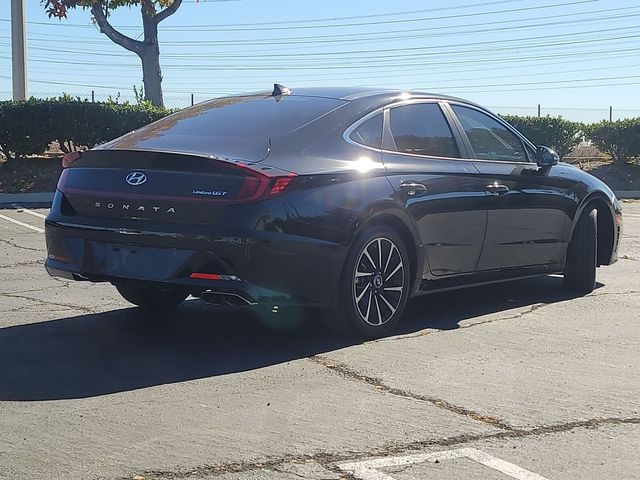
<point x="422" y="129"/>
<point x="369" y="133"/>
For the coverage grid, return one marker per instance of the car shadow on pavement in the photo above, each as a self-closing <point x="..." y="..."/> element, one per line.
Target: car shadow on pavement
<point x="121" y="350"/>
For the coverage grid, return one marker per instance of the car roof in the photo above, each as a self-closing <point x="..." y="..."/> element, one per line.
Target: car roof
<point x="378" y="96"/>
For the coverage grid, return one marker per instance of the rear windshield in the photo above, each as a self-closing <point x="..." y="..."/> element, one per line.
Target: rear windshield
<point x="248" y="116"/>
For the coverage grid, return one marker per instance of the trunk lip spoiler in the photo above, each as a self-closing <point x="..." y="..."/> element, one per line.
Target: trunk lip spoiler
<point x="257" y="166"/>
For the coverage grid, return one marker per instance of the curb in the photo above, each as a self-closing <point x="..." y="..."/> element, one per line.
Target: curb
<point x="21" y="198"/>
<point x="47" y="197"/>
<point x="628" y="194"/>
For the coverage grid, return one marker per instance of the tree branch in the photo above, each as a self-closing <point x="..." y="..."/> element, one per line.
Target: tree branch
<point x="115" y="36"/>
<point x="167" y="12"/>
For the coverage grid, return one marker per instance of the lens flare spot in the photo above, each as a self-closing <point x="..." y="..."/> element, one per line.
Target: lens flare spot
<point x="365" y="164"/>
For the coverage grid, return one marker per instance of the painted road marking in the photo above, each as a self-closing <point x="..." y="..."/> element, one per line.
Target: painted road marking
<point x="30" y="212"/>
<point x="370" y="469"/>
<point x="18" y="222"/>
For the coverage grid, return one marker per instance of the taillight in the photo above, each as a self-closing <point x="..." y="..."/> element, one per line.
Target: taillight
<point x="69" y="158"/>
<point x="280" y="184"/>
<point x="257" y="186"/>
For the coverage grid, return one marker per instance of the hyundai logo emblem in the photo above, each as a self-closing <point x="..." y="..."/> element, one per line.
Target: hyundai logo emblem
<point x="136" y="178"/>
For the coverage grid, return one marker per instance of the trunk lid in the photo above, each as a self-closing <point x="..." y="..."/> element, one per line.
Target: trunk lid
<point x="160" y="186"/>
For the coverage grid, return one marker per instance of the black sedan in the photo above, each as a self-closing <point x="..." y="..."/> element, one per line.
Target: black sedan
<point x="349" y="200"/>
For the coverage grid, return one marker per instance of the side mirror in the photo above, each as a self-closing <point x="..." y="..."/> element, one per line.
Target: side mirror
<point x="546" y="157"/>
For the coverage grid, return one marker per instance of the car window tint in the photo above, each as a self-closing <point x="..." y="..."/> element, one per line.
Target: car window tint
<point x="256" y="116"/>
<point x="422" y="129"/>
<point x="369" y="132"/>
<point x="490" y="139"/>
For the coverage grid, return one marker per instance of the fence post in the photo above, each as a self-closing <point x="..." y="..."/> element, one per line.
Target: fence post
<point x="93" y="96"/>
<point x="192" y="99"/>
<point x="611" y="113"/>
<point x="539" y="111"/>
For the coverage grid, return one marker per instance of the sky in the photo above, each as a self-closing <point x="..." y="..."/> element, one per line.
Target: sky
<point x="573" y="57"/>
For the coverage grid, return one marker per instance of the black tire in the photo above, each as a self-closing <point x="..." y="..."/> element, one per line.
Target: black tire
<point x="582" y="255"/>
<point x="152" y="297"/>
<point x="381" y="282"/>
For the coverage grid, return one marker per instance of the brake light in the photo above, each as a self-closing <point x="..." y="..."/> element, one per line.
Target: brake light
<point x="257" y="186"/>
<point x="280" y="184"/>
<point x="69" y="158"/>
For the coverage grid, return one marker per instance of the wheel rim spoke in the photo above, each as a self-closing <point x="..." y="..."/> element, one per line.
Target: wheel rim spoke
<point x="366" y="316"/>
<point x="392" y="289"/>
<point x="359" y="297"/>
<point x="398" y="267"/>
<point x="379" y="253"/>
<point x="386" y="266"/>
<point x="391" y="307"/>
<point x="366" y="252"/>
<point x="378" y="309"/>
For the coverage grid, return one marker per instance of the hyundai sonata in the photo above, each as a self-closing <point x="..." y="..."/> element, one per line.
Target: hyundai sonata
<point x="349" y="200"/>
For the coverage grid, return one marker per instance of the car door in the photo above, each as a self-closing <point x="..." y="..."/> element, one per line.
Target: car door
<point x="443" y="193"/>
<point x="529" y="208"/>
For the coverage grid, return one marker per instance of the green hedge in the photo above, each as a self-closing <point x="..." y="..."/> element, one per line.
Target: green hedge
<point x="620" y="139"/>
<point x="27" y="128"/>
<point x="556" y="132"/>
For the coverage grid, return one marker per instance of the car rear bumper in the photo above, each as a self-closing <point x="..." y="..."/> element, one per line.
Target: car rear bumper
<point x="263" y="268"/>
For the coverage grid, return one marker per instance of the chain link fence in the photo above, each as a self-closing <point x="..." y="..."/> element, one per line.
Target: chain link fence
<point x="170" y="101"/>
<point x="585" y="114"/>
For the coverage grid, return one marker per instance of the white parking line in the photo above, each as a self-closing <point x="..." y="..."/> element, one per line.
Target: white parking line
<point x="30" y="212"/>
<point x="370" y="469"/>
<point x="18" y="222"/>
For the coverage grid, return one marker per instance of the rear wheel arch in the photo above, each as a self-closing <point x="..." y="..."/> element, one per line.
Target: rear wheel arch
<point x="409" y="238"/>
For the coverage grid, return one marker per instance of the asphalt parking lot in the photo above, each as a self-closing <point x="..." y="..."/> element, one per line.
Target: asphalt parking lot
<point x="517" y="380"/>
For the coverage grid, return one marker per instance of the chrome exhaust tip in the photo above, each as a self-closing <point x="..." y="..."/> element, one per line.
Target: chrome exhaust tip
<point x="212" y="297"/>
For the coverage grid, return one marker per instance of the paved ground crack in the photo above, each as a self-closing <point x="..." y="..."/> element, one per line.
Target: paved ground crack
<point x="15" y="245"/>
<point x="46" y="302"/>
<point x="348" y="372"/>
<point x="626" y="292"/>
<point x="328" y="460"/>
<point x="23" y="264"/>
<point x="530" y="310"/>
<point x="34" y="290"/>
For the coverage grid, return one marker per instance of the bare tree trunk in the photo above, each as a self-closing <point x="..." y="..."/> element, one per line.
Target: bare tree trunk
<point x="150" y="57"/>
<point x="148" y="50"/>
<point x="152" y="76"/>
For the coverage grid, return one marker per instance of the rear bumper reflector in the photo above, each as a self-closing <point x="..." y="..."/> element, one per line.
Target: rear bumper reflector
<point x="213" y="276"/>
<point x="58" y="258"/>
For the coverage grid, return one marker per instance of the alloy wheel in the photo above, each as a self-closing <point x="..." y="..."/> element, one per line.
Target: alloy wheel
<point x="378" y="281"/>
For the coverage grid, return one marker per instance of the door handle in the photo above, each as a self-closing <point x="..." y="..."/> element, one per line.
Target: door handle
<point x="497" y="188"/>
<point x="413" y="188"/>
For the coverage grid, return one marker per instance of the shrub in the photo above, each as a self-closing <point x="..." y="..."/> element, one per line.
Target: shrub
<point x="556" y="132"/>
<point x="620" y="139"/>
<point x="27" y="128"/>
<point x="24" y="128"/>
